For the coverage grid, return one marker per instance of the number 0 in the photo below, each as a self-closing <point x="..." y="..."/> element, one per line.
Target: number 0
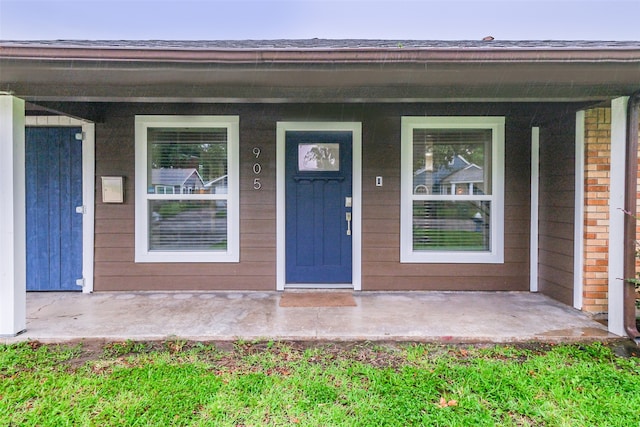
<point x="257" y="168"/>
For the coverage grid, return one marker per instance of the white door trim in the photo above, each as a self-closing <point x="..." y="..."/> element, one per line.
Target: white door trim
<point x="356" y="224"/>
<point x="88" y="185"/>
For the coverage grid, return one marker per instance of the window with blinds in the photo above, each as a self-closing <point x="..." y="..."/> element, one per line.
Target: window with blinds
<point x="189" y="211"/>
<point x="452" y="200"/>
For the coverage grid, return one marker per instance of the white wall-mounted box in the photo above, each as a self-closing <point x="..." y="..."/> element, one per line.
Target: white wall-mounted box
<point x="112" y="189"/>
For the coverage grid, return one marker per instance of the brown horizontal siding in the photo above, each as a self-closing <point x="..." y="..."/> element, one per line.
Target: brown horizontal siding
<point x="251" y="268"/>
<point x="448" y="282"/>
<point x="372" y="254"/>
<point x="560" y="293"/>
<point x="114" y="211"/>
<point x="514" y="255"/>
<point x="560" y="262"/>
<point x="560" y="213"/>
<point x="107" y="254"/>
<point x="255" y="253"/>
<point x="459" y="270"/>
<point x="558" y="278"/>
<point x="381" y="240"/>
<point x="172" y="283"/>
<point x="115" y="268"/>
<point x="113" y="225"/>
<point x="257" y="240"/>
<point x="258" y="210"/>
<point x="559" y="198"/>
<point x="555" y="245"/>
<point x="556" y="210"/>
<point x="517" y="240"/>
<point x="256" y="226"/>
<point x="380" y="227"/>
<point x="382" y="212"/>
<point x="561" y="228"/>
<point x="114" y="240"/>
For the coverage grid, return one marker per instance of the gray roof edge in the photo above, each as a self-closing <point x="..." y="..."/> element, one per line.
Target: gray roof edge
<point x="325" y="44"/>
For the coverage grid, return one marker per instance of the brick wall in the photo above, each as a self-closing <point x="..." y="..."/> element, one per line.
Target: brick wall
<point x="596" y="221"/>
<point x="596" y="217"/>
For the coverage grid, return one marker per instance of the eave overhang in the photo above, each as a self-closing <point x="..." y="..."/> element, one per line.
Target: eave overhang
<point x="362" y="74"/>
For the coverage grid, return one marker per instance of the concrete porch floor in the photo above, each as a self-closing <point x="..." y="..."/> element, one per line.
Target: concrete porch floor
<point x="399" y="316"/>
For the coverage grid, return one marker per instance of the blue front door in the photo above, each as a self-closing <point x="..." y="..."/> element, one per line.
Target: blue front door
<point x="53" y="191"/>
<point x="318" y="194"/>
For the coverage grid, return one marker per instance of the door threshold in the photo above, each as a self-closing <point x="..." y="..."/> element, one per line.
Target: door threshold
<point x="320" y="286"/>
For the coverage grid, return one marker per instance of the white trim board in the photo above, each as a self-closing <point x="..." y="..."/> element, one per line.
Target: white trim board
<point x="142" y="251"/>
<point x="616" y="216"/>
<point x="578" y="234"/>
<point x="88" y="185"/>
<point x="356" y="223"/>
<point x="535" y="204"/>
<point x="13" y="296"/>
<point x="495" y="254"/>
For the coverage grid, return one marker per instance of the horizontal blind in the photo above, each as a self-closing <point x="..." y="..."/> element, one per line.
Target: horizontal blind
<point x="187" y="161"/>
<point x="453" y="162"/>
<point x="195" y="159"/>
<point x="188" y="225"/>
<point x="451" y="225"/>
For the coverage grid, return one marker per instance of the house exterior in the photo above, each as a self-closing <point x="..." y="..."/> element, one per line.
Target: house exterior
<point x="176" y="181"/>
<point x="364" y="165"/>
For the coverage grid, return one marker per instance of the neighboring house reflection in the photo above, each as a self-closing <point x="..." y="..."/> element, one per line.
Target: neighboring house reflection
<point x="176" y="181"/>
<point x="457" y="177"/>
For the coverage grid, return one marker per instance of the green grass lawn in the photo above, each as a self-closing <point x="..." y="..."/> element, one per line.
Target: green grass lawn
<point x="322" y="384"/>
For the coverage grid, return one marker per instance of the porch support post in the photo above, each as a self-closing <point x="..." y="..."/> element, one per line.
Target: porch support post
<point x="578" y="227"/>
<point x="616" y="215"/>
<point x="535" y="206"/>
<point x="13" y="318"/>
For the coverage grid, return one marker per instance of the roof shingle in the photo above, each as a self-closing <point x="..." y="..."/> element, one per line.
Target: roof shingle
<point x="312" y="44"/>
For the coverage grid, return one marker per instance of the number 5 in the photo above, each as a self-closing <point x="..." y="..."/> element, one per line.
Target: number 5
<point x="257" y="184"/>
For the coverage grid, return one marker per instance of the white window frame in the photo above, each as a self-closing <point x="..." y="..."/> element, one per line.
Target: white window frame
<point x="142" y="252"/>
<point x="496" y="253"/>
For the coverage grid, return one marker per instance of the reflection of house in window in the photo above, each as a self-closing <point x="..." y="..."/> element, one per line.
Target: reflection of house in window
<point x="465" y="181"/>
<point x="176" y="181"/>
<point x="217" y="186"/>
<point x="457" y="177"/>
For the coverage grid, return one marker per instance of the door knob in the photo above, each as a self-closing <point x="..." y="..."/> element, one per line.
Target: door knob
<point x="348" y="215"/>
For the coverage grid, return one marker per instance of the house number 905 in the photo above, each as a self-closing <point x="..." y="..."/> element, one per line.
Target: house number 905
<point x="257" y="169"/>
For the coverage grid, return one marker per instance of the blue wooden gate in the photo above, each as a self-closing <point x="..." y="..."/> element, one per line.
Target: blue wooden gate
<point x="318" y="175"/>
<point x="53" y="191"/>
